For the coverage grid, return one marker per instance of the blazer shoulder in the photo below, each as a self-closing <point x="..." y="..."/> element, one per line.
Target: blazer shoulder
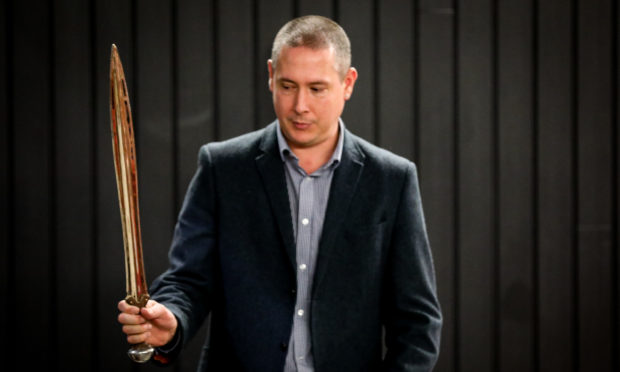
<point x="381" y="158"/>
<point x="245" y="146"/>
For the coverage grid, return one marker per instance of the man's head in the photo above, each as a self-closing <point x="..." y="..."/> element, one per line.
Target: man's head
<point x="310" y="78"/>
<point x="314" y="32"/>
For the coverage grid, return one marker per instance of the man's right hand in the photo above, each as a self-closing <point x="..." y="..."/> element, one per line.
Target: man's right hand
<point x="153" y="324"/>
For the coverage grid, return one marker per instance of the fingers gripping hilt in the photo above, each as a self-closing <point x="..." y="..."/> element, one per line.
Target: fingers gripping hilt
<point x="140" y="353"/>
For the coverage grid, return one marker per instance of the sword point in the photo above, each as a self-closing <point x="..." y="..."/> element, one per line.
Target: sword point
<point x="114" y="56"/>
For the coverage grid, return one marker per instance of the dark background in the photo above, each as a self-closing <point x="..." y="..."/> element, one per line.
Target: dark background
<point x="510" y="109"/>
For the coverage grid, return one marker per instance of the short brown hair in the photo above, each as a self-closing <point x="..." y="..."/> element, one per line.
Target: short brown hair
<point x="314" y="32"/>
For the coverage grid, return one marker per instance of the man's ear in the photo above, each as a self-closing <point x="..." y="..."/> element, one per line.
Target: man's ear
<point x="349" y="82"/>
<point x="270" y="69"/>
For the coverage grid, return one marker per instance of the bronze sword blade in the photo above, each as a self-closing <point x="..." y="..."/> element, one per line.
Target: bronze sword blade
<point x="127" y="184"/>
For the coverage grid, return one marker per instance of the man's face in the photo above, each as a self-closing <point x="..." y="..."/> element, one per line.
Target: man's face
<point x="309" y="95"/>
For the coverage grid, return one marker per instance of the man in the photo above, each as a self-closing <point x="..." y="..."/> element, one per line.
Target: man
<point x="300" y="239"/>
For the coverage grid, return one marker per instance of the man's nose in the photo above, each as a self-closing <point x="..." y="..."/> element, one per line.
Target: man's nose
<point x="301" y="102"/>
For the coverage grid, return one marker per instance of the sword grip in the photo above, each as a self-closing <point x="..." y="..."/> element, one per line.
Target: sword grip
<point x="140" y="353"/>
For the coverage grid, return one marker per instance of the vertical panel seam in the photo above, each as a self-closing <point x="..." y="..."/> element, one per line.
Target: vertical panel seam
<point x="614" y="197"/>
<point x="174" y="38"/>
<point x="255" y="62"/>
<point x="416" y="83"/>
<point x="175" y="118"/>
<point x="456" y="178"/>
<point x="336" y="10"/>
<point x="534" y="185"/>
<point x="175" y="104"/>
<point x="216" y="68"/>
<point x="496" y="250"/>
<point x="135" y="60"/>
<point x="575" y="180"/>
<point x="11" y="311"/>
<point x="376" y="72"/>
<point x="53" y="203"/>
<point x="94" y="330"/>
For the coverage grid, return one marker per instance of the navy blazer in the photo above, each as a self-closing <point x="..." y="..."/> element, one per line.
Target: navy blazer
<point x="233" y="254"/>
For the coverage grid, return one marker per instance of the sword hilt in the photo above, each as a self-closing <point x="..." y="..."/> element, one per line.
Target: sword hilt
<point x="140" y="353"/>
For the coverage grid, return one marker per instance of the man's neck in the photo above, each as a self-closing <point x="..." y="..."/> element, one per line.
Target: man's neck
<point x="314" y="157"/>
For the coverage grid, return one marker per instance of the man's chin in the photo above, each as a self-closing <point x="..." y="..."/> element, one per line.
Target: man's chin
<point x="295" y="134"/>
<point x="297" y="141"/>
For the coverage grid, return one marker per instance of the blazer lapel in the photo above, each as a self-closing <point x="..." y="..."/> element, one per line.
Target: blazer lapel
<point x="344" y="184"/>
<point x="271" y="170"/>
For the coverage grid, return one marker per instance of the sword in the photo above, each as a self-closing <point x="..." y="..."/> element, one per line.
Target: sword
<point x="127" y="185"/>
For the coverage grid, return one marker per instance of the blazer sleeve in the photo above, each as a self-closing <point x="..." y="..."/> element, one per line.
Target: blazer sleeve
<point x="412" y="312"/>
<point x="186" y="288"/>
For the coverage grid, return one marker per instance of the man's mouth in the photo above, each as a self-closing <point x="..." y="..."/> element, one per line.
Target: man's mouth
<point x="301" y="124"/>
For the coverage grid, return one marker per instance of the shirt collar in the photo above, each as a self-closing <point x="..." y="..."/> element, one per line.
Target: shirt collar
<point x="285" y="150"/>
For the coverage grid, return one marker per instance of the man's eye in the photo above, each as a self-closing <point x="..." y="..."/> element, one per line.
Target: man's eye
<point x="317" y="89"/>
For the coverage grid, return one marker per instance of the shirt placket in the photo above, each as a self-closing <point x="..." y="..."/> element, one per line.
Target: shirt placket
<point x="305" y="223"/>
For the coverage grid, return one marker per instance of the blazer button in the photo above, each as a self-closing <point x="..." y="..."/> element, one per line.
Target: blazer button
<point x="283" y="346"/>
<point x="293" y="291"/>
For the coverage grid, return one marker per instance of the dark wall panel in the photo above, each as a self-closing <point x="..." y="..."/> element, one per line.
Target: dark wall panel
<point x="616" y="60"/>
<point x="6" y="179"/>
<point x="73" y="107"/>
<point x="359" y="20"/>
<point x="317" y="7"/>
<point x="555" y="187"/>
<point x="33" y="232"/>
<point x="236" y="64"/>
<point x="394" y="84"/>
<point x="195" y="86"/>
<point x="436" y="155"/>
<point x="476" y="190"/>
<point x="594" y="184"/>
<point x="516" y="194"/>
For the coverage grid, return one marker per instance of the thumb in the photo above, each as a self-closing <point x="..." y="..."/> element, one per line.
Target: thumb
<point x="152" y="310"/>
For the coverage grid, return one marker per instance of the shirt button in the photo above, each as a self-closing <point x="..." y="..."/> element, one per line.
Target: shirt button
<point x="302" y="267"/>
<point x="300" y="312"/>
<point x="305" y="221"/>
